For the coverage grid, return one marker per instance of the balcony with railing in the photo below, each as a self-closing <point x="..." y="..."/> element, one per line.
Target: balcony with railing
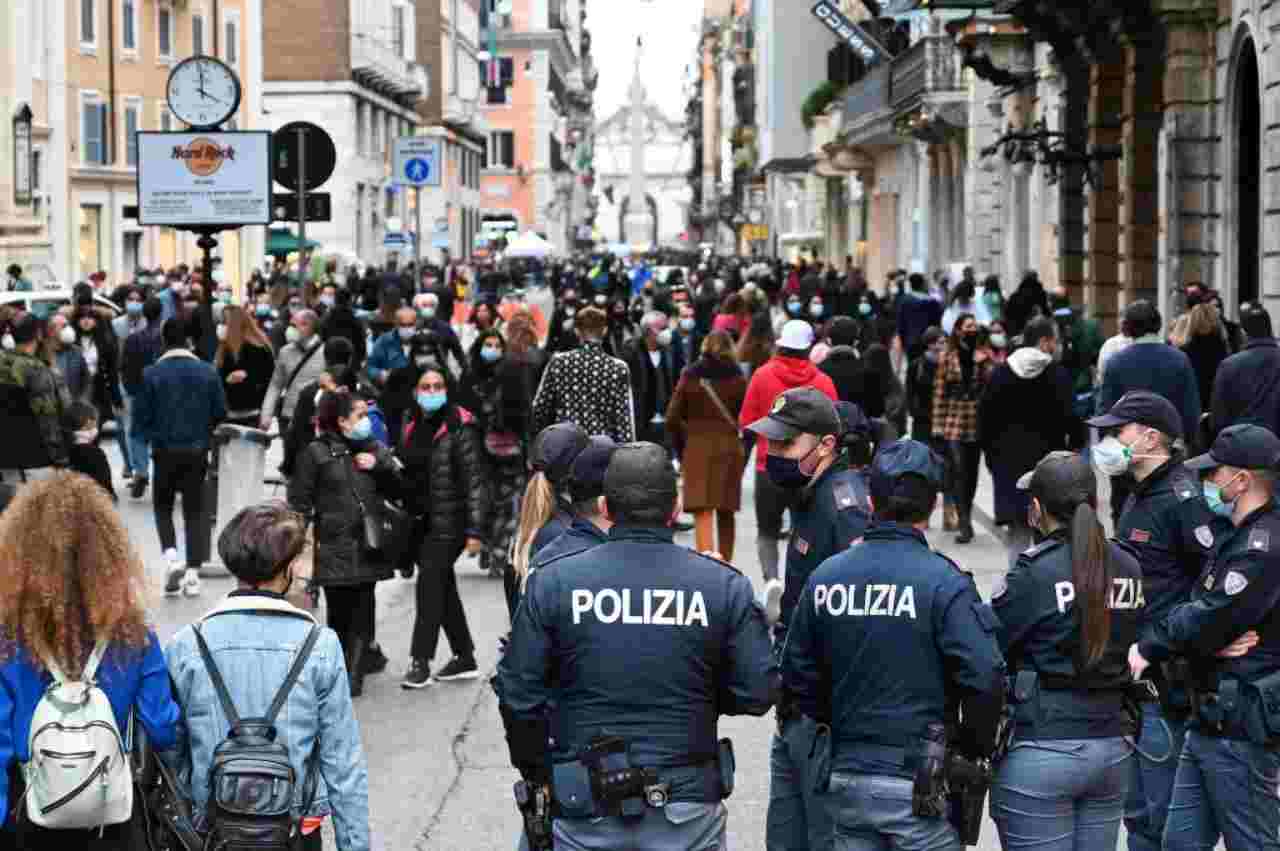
<point x="376" y="64"/>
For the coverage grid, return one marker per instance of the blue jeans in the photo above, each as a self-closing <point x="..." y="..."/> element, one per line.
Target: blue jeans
<point x="123" y="420"/>
<point x="680" y="826"/>
<point x="1227" y="788"/>
<point x="1061" y="794"/>
<point x="872" y="812"/>
<point x="139" y="453"/>
<point x="1151" y="782"/>
<point x="797" y="820"/>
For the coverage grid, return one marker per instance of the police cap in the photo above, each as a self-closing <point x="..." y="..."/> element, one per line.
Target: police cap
<point x="904" y="457"/>
<point x="1061" y="481"/>
<point x="586" y="475"/>
<point x="800" y="410"/>
<point x="1144" y="408"/>
<point x="1249" y="447"/>
<point x="555" y="449"/>
<point x="857" y="428"/>
<point x="640" y="474"/>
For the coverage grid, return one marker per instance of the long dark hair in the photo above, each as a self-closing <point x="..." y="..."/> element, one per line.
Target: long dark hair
<point x="1091" y="573"/>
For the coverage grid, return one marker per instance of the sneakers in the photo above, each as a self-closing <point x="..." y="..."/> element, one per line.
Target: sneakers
<point x="191" y="582"/>
<point x="459" y="668"/>
<point x="138" y="487"/>
<point x="173" y="573"/>
<point x="374" y="661"/>
<point x="419" y="675"/>
<point x="771" y="599"/>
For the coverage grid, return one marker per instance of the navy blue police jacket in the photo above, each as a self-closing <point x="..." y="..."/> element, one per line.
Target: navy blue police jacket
<point x="833" y="513"/>
<point x="559" y="523"/>
<point x="888" y="637"/>
<point x="1169" y="527"/>
<point x="639" y="638"/>
<point x="581" y="535"/>
<point x="1239" y="590"/>
<point x="1040" y="631"/>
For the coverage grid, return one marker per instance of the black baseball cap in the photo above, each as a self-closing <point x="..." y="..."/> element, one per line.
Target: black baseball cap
<point x="855" y="425"/>
<point x="1061" y="481"/>
<point x="586" y="474"/>
<point x="556" y="448"/>
<point x="800" y="410"/>
<point x="904" y="457"/>
<point x="1249" y="447"/>
<point x="1144" y="408"/>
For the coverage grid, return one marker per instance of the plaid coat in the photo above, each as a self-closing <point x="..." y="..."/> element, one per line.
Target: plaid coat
<point x="955" y="402"/>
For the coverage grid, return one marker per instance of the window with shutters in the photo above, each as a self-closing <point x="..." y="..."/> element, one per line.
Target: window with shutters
<point x="398" y="15"/>
<point x="166" y="118"/>
<point x="132" y="124"/>
<point x="497" y="77"/>
<point x="93" y="130"/>
<point x="129" y="24"/>
<point x="231" y="41"/>
<point x="502" y="149"/>
<point x="164" y="31"/>
<point x="197" y="35"/>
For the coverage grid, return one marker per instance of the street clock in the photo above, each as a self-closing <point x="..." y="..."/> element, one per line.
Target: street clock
<point x="203" y="92"/>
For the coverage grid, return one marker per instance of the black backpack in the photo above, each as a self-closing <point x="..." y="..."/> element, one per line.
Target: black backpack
<point x="251" y="779"/>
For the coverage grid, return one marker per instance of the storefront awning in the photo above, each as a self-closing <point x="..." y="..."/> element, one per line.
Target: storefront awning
<point x="282" y="242"/>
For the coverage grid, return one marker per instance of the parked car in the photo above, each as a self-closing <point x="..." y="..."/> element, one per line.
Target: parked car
<point x="44" y="303"/>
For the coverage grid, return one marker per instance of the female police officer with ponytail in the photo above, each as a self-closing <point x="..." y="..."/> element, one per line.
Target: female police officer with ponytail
<point x="1068" y="611"/>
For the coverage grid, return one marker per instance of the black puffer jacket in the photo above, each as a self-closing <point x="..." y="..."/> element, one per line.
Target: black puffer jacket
<point x="445" y="476"/>
<point x="323" y="488"/>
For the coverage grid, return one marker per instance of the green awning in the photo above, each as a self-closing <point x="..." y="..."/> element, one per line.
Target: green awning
<point x="282" y="242"/>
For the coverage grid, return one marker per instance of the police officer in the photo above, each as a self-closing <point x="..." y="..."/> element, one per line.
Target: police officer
<point x="640" y="644"/>
<point x="1068" y="610"/>
<point x="831" y="510"/>
<point x="890" y="596"/>
<point x="1229" y="769"/>
<point x="1169" y="528"/>
<point x="589" y="525"/>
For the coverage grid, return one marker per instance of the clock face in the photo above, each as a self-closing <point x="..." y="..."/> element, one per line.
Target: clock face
<point x="203" y="92"/>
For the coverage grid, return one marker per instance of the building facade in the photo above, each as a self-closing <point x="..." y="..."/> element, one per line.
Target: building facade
<point x="536" y="167"/>
<point x="94" y="72"/>
<point x="351" y="67"/>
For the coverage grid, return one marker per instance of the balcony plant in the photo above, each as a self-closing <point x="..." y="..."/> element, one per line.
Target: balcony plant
<point x="818" y="100"/>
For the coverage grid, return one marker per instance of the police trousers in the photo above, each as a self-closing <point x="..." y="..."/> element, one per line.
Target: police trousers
<point x="1224" y="788"/>
<point x="872" y="812"/>
<point x="1151" y="778"/>
<point x="1061" y="794"/>
<point x="797" y="819"/>
<point x="679" y="826"/>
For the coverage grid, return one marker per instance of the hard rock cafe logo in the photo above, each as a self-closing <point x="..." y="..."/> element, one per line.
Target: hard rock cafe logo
<point x="202" y="156"/>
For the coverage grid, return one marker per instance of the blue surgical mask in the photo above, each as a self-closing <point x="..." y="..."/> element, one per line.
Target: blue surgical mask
<point x="432" y="402"/>
<point x="133" y="308"/>
<point x="687" y="324"/>
<point x="1219" y="506"/>
<point x="491" y="355"/>
<point x="815" y="309"/>
<point x="362" y="430"/>
<point x="793" y="307"/>
<point x="864" y="309"/>
<point x="263" y="310"/>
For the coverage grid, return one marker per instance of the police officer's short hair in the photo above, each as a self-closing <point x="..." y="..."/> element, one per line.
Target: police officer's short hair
<point x="1142" y="318"/>
<point x="1041" y="328"/>
<point x="1255" y="321"/>
<point x="640" y="486"/>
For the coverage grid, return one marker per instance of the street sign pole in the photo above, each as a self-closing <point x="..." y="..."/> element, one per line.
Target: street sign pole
<point x="302" y="203"/>
<point x="417" y="236"/>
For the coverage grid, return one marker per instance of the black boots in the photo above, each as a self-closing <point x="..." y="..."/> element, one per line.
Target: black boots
<point x="354" y="653"/>
<point x="965" y="525"/>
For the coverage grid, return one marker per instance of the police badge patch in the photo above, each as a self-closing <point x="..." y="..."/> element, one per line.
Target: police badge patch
<point x="1205" y="536"/>
<point x="1234" y="583"/>
<point x="1260" y="540"/>
<point x="802" y="546"/>
<point x="1208" y="582"/>
<point x="778" y="404"/>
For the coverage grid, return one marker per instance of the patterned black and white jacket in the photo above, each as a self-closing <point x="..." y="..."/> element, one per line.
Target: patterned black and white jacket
<point x="587" y="387"/>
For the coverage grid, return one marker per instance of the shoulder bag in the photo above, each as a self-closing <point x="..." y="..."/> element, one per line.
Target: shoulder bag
<point x="720" y="405"/>
<point x="387" y="530"/>
<point x="293" y="376"/>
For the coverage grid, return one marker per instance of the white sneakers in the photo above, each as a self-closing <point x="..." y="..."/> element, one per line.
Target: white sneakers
<point x="771" y="600"/>
<point x="180" y="580"/>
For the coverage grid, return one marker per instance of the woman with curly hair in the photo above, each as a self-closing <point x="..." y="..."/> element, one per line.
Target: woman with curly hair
<point x="73" y="584"/>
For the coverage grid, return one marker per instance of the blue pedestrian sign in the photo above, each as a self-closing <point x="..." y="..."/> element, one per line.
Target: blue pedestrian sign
<point x="417" y="161"/>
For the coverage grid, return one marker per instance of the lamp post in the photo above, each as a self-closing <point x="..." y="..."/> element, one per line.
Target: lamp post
<point x="22" y="172"/>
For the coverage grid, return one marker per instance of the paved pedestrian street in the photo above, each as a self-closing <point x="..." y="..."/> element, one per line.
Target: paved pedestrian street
<point x="439" y="778"/>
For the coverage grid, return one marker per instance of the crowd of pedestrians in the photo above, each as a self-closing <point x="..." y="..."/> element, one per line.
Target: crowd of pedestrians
<point x="428" y="418"/>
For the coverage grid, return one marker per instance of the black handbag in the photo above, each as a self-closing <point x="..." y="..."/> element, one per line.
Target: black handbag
<point x="388" y="529"/>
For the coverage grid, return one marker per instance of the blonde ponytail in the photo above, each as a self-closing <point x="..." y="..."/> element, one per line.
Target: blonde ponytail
<point x="537" y="507"/>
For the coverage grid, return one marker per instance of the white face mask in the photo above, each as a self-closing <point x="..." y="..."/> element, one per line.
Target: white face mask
<point x="219" y="276"/>
<point x="7" y="342"/>
<point x="664" y="337"/>
<point x="293" y="335"/>
<point x="222" y="333"/>
<point x="67" y="335"/>
<point x="86" y="436"/>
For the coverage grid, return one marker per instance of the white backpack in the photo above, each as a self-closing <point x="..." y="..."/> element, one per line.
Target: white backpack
<point x="79" y="774"/>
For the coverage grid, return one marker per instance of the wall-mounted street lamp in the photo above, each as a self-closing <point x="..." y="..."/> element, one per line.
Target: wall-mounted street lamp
<point x="1054" y="151"/>
<point x="23" y="174"/>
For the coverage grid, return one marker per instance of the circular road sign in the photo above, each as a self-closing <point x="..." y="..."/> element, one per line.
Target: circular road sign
<point x="322" y="156"/>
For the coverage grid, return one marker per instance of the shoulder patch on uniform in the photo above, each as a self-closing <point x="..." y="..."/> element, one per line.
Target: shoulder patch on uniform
<point x="1234" y="583"/>
<point x="1204" y="536"/>
<point x="846" y="497"/>
<point x="953" y="563"/>
<point x="1139" y="536"/>
<point x="1260" y="540"/>
<point x="1041" y="548"/>
<point x="718" y="561"/>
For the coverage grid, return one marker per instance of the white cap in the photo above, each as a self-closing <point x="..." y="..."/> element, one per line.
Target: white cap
<point x="796" y="334"/>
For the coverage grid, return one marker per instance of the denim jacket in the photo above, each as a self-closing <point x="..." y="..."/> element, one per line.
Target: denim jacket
<point x="253" y="637"/>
